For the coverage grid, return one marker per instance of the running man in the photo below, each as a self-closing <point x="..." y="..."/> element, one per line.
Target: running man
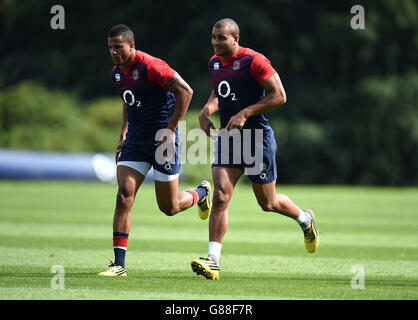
<point x="155" y="98"/>
<point x="245" y="87"/>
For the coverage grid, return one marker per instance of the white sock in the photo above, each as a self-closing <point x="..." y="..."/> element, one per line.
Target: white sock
<point x="303" y="219"/>
<point x="215" y="250"/>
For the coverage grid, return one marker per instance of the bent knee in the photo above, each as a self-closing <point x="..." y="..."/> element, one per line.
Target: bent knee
<point x="267" y="206"/>
<point x="169" y="210"/>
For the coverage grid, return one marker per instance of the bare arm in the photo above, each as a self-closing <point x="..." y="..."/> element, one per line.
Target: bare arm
<point x="275" y="97"/>
<point x="123" y="132"/>
<point x="183" y="94"/>
<point x="210" y="108"/>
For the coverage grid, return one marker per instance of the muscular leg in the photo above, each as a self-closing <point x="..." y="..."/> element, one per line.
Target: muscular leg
<point x="272" y="202"/>
<point x="169" y="200"/>
<point x="224" y="180"/>
<point x="129" y="181"/>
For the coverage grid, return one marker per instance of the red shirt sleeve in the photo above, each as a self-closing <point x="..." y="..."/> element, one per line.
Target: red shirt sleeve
<point x="261" y="68"/>
<point x="159" y="72"/>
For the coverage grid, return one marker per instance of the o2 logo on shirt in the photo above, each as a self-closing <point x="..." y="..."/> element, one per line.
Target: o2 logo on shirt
<point x="129" y="98"/>
<point x="225" y="94"/>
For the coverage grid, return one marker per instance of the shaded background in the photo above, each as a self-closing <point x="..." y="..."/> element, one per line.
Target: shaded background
<point x="352" y="110"/>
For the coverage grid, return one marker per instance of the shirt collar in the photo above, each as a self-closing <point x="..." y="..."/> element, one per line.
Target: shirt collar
<point x="236" y="54"/>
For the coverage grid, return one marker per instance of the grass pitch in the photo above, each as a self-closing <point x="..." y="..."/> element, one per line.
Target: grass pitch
<point x="370" y="230"/>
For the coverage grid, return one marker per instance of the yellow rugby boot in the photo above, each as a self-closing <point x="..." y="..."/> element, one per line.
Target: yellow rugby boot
<point x="204" y="205"/>
<point x="114" y="271"/>
<point x="206" y="267"/>
<point x="311" y="234"/>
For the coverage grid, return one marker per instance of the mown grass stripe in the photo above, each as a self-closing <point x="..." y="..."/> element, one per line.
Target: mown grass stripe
<point x="137" y="260"/>
<point x="290" y="234"/>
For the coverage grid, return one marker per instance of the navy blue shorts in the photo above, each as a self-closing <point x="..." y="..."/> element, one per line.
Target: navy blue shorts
<point x="256" y="155"/>
<point x="145" y="151"/>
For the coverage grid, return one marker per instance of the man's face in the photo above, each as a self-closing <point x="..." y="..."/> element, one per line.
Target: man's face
<point x="223" y="41"/>
<point x="120" y="50"/>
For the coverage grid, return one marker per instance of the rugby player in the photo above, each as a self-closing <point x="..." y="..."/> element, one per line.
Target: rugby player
<point x="245" y="87"/>
<point x="155" y="98"/>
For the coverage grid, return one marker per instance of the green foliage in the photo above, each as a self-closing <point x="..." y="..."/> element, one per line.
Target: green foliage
<point x="106" y="112"/>
<point x="364" y="135"/>
<point x="35" y="118"/>
<point x="386" y="118"/>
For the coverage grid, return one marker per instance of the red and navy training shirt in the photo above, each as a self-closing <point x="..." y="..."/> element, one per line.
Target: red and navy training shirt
<point x="141" y="88"/>
<point x="236" y="83"/>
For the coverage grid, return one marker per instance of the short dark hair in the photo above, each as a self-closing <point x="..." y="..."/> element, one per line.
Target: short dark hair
<point x="230" y="24"/>
<point x="121" y="30"/>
